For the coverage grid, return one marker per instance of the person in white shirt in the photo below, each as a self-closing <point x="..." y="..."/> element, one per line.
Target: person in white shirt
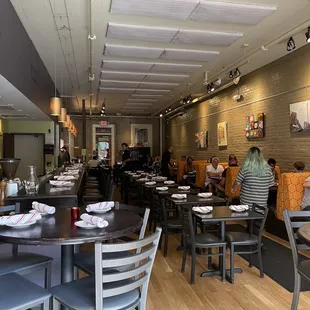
<point x="305" y="205"/>
<point x="214" y="174"/>
<point x="93" y="163"/>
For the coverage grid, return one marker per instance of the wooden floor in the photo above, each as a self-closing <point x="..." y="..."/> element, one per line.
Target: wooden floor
<point x="170" y="289"/>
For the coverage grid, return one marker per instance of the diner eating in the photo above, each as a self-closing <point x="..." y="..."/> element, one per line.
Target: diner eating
<point x="154" y="154"/>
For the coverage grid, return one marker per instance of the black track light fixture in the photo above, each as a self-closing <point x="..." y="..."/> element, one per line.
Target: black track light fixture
<point x="161" y="114"/>
<point x="290" y="44"/>
<point x="212" y="88"/>
<point x="189" y="99"/>
<point x="231" y="75"/>
<point x="308" y="35"/>
<point x="237" y="73"/>
<point x="169" y="109"/>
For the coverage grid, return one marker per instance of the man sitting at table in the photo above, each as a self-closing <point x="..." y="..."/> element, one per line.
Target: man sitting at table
<point x="272" y="164"/>
<point x="214" y="174"/>
<point x="232" y="162"/>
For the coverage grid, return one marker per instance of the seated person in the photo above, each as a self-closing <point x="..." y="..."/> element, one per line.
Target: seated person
<point x="214" y="174"/>
<point x="156" y="165"/>
<point x="305" y="205"/>
<point x="299" y="166"/>
<point x="232" y="162"/>
<point x="93" y="163"/>
<point x="272" y="164"/>
<point x="190" y="172"/>
<point x="183" y="158"/>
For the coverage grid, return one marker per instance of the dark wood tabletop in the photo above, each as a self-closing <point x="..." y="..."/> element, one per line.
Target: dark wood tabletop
<point x="223" y="213"/>
<point x="172" y="191"/>
<point x="59" y="229"/>
<point x="303" y="233"/>
<point x="193" y="200"/>
<point x="159" y="184"/>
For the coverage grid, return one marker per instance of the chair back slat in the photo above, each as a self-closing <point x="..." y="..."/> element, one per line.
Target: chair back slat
<point x="298" y="224"/>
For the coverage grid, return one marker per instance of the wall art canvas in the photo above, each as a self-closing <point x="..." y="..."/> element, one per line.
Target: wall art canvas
<point x="300" y="116"/>
<point x="254" y="126"/>
<point x="222" y="134"/>
<point x="201" y="139"/>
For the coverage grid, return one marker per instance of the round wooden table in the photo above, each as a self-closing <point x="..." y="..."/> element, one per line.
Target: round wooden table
<point x="303" y="233"/>
<point x="59" y="229"/>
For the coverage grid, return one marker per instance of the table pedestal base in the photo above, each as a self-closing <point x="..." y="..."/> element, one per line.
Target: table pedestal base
<point x="67" y="255"/>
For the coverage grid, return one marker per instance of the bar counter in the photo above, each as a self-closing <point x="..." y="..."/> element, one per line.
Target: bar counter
<point x="65" y="198"/>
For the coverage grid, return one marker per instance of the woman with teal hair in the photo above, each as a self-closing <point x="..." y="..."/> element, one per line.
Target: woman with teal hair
<point x="255" y="178"/>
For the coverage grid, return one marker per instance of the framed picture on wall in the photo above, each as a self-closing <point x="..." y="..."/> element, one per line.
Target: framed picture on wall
<point x="222" y="134"/>
<point x="201" y="139"/>
<point x="254" y="126"/>
<point x="300" y="116"/>
<point x="142" y="135"/>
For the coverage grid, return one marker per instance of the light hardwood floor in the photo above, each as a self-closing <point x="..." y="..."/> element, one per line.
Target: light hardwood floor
<point x="169" y="289"/>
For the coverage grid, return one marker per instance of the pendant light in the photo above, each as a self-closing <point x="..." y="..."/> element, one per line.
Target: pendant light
<point x="67" y="123"/>
<point x="62" y="118"/>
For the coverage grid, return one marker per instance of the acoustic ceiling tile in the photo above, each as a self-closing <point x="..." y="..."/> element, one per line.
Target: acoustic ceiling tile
<point x="193" y="55"/>
<point x="168" y="67"/>
<point x="126" y="65"/>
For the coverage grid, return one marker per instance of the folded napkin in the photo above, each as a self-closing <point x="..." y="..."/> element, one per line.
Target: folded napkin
<point x="205" y="209"/>
<point x="41" y="207"/>
<point x="150" y="183"/>
<point x="162" y="188"/>
<point x="143" y="180"/>
<point x="95" y="220"/>
<point x="72" y="172"/>
<point x="169" y="182"/>
<point x="61" y="183"/>
<point x="19" y="218"/>
<point x="204" y="195"/>
<point x="160" y="178"/>
<point x="239" y="208"/>
<point x="179" y="196"/>
<point x="59" y="189"/>
<point x="100" y="206"/>
<point x="64" y="177"/>
<point x="184" y="188"/>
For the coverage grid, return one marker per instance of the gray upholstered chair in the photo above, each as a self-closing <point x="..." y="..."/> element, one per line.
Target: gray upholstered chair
<point x="113" y="290"/>
<point x="301" y="268"/>
<point x="18" y="293"/>
<point x="23" y="262"/>
<point x="85" y="260"/>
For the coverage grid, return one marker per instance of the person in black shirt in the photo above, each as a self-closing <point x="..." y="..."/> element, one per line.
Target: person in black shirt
<point x="126" y="153"/>
<point x="165" y="160"/>
<point x="64" y="156"/>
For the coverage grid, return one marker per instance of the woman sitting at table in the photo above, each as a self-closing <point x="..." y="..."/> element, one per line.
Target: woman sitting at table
<point x="213" y="174"/>
<point x="190" y="172"/>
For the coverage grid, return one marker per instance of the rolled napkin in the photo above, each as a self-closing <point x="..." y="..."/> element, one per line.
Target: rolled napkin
<point x="169" y="182"/>
<point x="61" y="183"/>
<point x="239" y="208"/>
<point x="64" y="177"/>
<point x="150" y="183"/>
<point x="100" y="206"/>
<point x="41" y="207"/>
<point x="184" y="188"/>
<point x="162" y="188"/>
<point x="179" y="196"/>
<point x="19" y="218"/>
<point x="95" y="220"/>
<point x="204" y="195"/>
<point x="205" y="209"/>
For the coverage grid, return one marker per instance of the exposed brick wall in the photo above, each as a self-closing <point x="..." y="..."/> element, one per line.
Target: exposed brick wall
<point x="287" y="80"/>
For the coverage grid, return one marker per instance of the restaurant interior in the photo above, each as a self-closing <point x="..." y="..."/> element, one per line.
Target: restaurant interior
<point x="154" y="154"/>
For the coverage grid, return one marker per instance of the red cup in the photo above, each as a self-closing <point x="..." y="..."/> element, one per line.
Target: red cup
<point x="75" y="213"/>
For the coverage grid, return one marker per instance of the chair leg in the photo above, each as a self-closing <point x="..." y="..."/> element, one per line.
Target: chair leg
<point x="46" y="304"/>
<point x="224" y="264"/>
<point x="166" y="243"/>
<point x="47" y="276"/>
<point x="297" y="280"/>
<point x="184" y="258"/>
<point x="193" y="266"/>
<point x="260" y="262"/>
<point x="160" y="240"/>
<point x="232" y="264"/>
<point x="250" y="258"/>
<point x="209" y="258"/>
<point x="56" y="304"/>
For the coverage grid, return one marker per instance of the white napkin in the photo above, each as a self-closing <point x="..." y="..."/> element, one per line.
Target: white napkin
<point x="169" y="182"/>
<point x="95" y="220"/>
<point x="19" y="218"/>
<point x="143" y="180"/>
<point x="160" y="178"/>
<point x="41" y="207"/>
<point x="205" y="209"/>
<point x="100" y="206"/>
<point x="61" y="183"/>
<point x="204" y="195"/>
<point x="150" y="183"/>
<point x="59" y="189"/>
<point x="162" y="188"/>
<point x="184" y="188"/>
<point x="239" y="208"/>
<point x="64" y="177"/>
<point x="179" y="196"/>
<point x="71" y="172"/>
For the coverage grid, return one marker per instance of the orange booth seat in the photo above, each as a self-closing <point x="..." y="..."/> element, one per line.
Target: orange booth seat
<point x="201" y="171"/>
<point x="290" y="192"/>
<point x="231" y="176"/>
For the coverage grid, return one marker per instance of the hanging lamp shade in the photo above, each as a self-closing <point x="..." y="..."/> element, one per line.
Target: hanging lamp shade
<point x="63" y="115"/>
<point x="68" y="122"/>
<point x="65" y="124"/>
<point x="55" y="106"/>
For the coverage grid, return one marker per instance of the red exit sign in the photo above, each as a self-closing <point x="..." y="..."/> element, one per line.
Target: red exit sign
<point x="104" y="123"/>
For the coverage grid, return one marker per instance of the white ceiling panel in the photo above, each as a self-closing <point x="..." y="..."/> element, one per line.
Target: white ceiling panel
<point x="194" y="55"/>
<point x="138" y="104"/>
<point x="146" y="95"/>
<point x="123" y="75"/>
<point x="167" y="67"/>
<point x="142" y="100"/>
<point x="118" y="83"/>
<point x="148" y="90"/>
<point x="166" y="77"/>
<point x="176" y="9"/>
<point x="228" y="12"/>
<point x="207" y="37"/>
<point x="142" y="33"/>
<point x="117" y="90"/>
<point x="158" y="85"/>
<point x="132" y="51"/>
<point x="126" y="65"/>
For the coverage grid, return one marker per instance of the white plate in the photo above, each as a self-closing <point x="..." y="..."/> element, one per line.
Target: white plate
<point x="85" y="225"/>
<point x="36" y="211"/>
<point x="101" y="210"/>
<point x="21" y="225"/>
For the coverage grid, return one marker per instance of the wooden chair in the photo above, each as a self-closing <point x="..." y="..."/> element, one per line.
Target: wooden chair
<point x="301" y="268"/>
<point x="113" y="290"/>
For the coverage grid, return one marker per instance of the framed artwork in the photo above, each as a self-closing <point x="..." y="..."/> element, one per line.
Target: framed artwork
<point x="300" y="116"/>
<point x="142" y="135"/>
<point x="222" y="134"/>
<point x="254" y="126"/>
<point x="201" y="139"/>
